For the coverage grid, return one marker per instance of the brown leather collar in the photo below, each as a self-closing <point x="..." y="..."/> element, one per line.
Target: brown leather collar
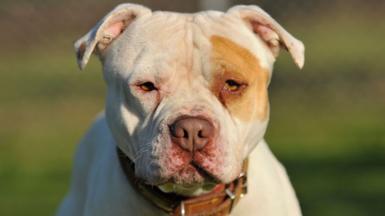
<point x="219" y="202"/>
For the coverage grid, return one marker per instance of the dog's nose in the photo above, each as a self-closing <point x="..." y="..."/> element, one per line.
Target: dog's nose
<point x="191" y="133"/>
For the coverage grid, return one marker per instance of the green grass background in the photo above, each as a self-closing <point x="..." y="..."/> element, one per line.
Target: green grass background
<point x="327" y="121"/>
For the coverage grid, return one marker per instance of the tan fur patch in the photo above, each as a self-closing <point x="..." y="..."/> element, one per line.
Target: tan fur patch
<point x="232" y="61"/>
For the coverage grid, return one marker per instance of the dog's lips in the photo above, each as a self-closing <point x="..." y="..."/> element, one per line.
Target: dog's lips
<point x="192" y="174"/>
<point x="190" y="171"/>
<point x="206" y="174"/>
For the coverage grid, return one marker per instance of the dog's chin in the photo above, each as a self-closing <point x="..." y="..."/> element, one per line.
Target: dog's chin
<point x="189" y="190"/>
<point x="189" y="181"/>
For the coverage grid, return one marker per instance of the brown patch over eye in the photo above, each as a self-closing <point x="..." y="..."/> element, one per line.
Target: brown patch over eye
<point x="147" y="86"/>
<point x="238" y="80"/>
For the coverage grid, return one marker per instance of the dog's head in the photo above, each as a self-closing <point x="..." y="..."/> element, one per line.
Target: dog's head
<point x="187" y="93"/>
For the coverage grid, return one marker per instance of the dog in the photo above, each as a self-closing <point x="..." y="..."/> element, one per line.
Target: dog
<point x="186" y="112"/>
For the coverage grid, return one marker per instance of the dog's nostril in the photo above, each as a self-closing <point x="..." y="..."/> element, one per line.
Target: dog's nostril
<point x="206" y="132"/>
<point x="178" y="132"/>
<point x="201" y="134"/>
<point x="185" y="134"/>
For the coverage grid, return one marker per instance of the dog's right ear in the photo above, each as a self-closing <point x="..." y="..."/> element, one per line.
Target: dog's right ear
<point x="106" y="30"/>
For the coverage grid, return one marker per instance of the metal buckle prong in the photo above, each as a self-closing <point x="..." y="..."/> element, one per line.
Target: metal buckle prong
<point x="230" y="194"/>
<point x="243" y="177"/>
<point x="182" y="209"/>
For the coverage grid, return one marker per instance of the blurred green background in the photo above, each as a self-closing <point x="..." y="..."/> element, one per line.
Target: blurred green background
<point x="327" y="122"/>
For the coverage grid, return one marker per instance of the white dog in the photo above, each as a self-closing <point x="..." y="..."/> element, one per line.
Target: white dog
<point x="186" y="111"/>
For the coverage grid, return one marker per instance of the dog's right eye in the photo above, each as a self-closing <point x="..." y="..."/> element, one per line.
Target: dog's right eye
<point x="147" y="86"/>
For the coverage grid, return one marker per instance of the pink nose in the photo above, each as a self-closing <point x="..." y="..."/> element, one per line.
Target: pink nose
<point x="191" y="133"/>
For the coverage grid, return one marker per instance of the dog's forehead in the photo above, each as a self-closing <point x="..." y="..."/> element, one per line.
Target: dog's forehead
<point x="212" y="25"/>
<point x="188" y="39"/>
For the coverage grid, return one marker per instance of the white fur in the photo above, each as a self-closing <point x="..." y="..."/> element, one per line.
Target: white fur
<point x="173" y="51"/>
<point x="100" y="188"/>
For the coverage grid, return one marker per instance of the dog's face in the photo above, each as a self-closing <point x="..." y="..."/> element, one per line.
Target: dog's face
<point x="187" y="93"/>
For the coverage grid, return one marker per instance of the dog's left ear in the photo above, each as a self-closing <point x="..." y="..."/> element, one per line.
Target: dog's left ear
<point x="274" y="35"/>
<point x="107" y="30"/>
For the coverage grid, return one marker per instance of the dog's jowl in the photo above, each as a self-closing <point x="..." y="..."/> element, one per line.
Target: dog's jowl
<point x="186" y="112"/>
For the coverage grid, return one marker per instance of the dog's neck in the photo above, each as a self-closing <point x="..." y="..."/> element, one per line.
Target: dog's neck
<point x="205" y="199"/>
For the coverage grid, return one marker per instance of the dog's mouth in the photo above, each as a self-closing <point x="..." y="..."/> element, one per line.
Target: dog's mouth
<point x="191" y="180"/>
<point x="205" y="174"/>
<point x="192" y="174"/>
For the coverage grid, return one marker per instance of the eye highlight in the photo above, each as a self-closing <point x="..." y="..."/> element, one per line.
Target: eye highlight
<point x="147" y="86"/>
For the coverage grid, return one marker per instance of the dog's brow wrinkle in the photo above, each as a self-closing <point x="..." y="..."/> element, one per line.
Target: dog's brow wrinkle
<point x="188" y="44"/>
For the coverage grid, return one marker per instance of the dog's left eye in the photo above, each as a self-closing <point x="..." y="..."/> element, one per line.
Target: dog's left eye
<point x="232" y="86"/>
<point x="147" y="86"/>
